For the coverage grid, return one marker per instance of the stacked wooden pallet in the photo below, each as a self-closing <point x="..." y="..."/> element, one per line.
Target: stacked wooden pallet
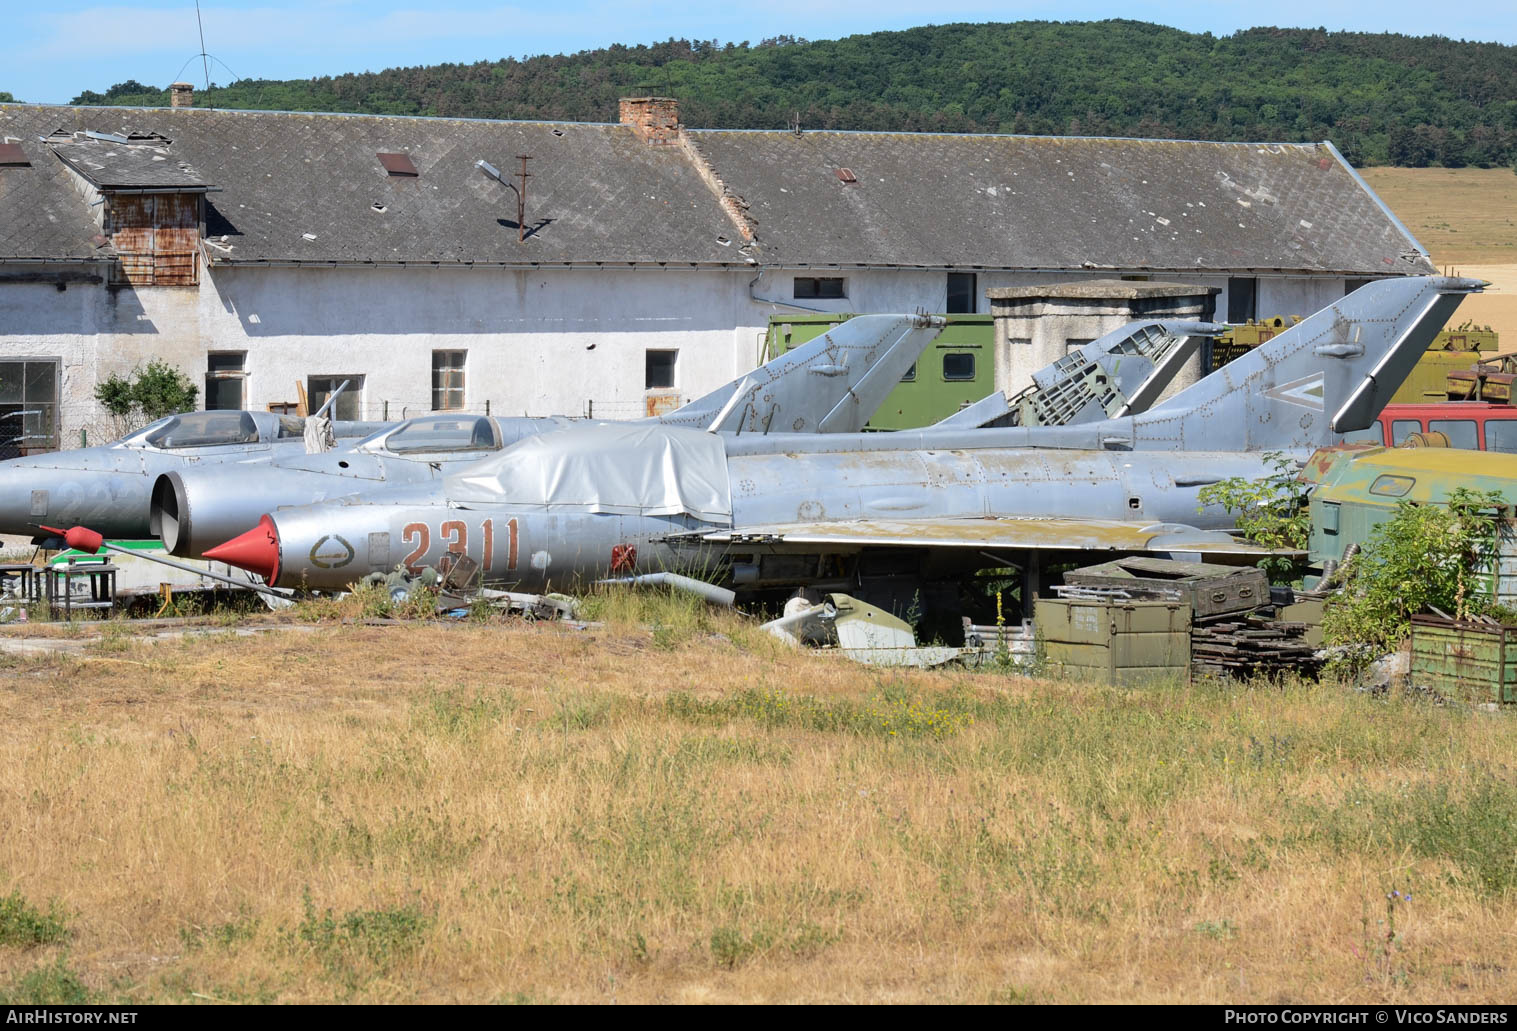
<point x="1253" y="646"/>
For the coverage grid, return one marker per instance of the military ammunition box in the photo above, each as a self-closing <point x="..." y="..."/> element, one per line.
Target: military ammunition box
<point x="1127" y="643"/>
<point x="1212" y="591"/>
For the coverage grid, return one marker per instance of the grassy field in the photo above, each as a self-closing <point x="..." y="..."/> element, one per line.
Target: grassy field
<point x="683" y="811"/>
<point x="1467" y="218"/>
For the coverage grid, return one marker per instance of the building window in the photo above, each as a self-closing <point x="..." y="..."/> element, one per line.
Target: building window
<point x="28" y="406"/>
<point x="958" y="365"/>
<point x="659" y="370"/>
<point x="1242" y="300"/>
<point x="819" y="288"/>
<point x="1350" y="285"/>
<point x="961" y="293"/>
<point x="911" y="374"/>
<point x="224" y="377"/>
<point x="349" y="406"/>
<point x="448" y="381"/>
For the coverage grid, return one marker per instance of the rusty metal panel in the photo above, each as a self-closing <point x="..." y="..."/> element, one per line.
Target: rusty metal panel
<point x="1472" y="662"/>
<point x="398" y="164"/>
<point x="660" y="403"/>
<point x="130" y="227"/>
<point x="157" y="237"/>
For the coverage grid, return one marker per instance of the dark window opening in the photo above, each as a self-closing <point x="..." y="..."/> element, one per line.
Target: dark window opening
<point x="12" y="156"/>
<point x="224" y="378"/>
<point x="28" y="407"/>
<point x="1350" y="285"/>
<point x="659" y="370"/>
<point x="911" y="374"/>
<point x="398" y="165"/>
<point x="1242" y="300"/>
<point x="824" y="288"/>
<point x="349" y="406"/>
<point x="958" y="366"/>
<point x="447" y="381"/>
<point x="961" y="293"/>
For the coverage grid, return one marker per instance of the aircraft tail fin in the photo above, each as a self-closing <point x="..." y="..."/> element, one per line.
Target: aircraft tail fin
<point x="1328" y="375"/>
<point x="832" y="384"/>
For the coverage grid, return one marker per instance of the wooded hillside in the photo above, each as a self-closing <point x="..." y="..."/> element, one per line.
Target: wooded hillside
<point x="1383" y="99"/>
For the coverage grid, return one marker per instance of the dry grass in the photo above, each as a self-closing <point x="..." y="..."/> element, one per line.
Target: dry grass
<point x="1467" y="218"/>
<point x="690" y="813"/>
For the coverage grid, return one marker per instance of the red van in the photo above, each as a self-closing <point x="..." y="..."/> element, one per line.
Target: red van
<point x="1472" y="425"/>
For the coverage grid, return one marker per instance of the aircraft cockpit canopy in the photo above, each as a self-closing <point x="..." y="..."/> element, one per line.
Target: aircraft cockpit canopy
<point x="203" y="429"/>
<point x="444" y="433"/>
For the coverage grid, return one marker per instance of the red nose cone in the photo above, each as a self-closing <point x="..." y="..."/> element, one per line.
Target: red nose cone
<point x="81" y="538"/>
<point x="257" y="551"/>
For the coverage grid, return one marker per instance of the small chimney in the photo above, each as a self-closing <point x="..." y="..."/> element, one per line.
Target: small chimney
<point x="181" y="94"/>
<point x="654" y="119"/>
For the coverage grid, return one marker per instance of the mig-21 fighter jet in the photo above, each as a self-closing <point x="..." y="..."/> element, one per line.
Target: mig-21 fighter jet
<point x="925" y="506"/>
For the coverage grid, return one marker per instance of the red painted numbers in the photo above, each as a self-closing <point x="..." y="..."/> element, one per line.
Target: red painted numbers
<point x="455" y="534"/>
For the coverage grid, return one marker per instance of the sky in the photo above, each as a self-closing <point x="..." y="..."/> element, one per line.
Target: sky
<point x="58" y="49"/>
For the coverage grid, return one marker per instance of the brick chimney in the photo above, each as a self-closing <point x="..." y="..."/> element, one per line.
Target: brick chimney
<point x="181" y="94"/>
<point x="654" y="119"/>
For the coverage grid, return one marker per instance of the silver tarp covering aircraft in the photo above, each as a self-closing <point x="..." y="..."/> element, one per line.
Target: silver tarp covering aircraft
<point x="195" y="479"/>
<point x="913" y="507"/>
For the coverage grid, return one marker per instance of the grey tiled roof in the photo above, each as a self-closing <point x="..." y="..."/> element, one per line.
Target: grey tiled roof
<point x="1053" y="202"/>
<point x="597" y="193"/>
<point x="309" y="188"/>
<point x="41" y="214"/>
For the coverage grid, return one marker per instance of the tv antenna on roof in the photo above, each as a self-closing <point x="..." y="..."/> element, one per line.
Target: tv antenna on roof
<point x="204" y="57"/>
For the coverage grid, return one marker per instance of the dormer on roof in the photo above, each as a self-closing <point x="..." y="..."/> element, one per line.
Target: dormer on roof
<point x="127" y="162"/>
<point x="151" y="206"/>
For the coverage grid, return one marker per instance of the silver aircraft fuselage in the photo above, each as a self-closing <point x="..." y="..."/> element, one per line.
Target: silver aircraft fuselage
<point x="538" y="546"/>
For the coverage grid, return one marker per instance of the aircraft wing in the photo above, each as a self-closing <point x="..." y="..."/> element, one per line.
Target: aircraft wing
<point x="991" y="532"/>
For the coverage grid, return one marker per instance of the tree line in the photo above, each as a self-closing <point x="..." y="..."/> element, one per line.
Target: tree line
<point x="1381" y="98"/>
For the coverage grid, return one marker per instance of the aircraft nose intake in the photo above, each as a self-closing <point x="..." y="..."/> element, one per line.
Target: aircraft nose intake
<point x="257" y="551"/>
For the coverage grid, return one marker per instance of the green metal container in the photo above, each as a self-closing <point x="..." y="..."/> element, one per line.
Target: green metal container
<point x="1126" y="643"/>
<point x="1469" y="662"/>
<point x="957" y="369"/>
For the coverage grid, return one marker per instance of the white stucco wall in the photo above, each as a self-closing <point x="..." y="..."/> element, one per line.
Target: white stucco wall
<point x="538" y="342"/>
<point x="95" y="331"/>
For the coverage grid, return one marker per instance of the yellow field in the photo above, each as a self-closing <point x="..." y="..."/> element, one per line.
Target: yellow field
<point x="693" y="814"/>
<point x="1467" y="218"/>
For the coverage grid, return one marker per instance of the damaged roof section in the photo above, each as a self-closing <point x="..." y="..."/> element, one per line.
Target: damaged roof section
<point x="127" y="161"/>
<point x="1073" y="203"/>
